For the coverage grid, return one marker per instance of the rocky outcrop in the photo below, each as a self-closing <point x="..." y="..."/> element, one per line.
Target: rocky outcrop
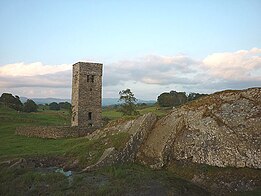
<point x="138" y="129"/>
<point x="223" y="129"/>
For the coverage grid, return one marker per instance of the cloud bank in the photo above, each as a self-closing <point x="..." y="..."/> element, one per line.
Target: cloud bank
<point x="147" y="76"/>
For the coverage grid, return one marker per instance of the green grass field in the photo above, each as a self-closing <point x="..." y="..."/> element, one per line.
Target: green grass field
<point x="114" y="114"/>
<point x="13" y="145"/>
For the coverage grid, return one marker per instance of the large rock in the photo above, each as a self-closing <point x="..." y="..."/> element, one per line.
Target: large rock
<point x="223" y="129"/>
<point x="138" y="129"/>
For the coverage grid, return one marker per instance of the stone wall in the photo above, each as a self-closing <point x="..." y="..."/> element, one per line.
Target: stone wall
<point x="54" y="132"/>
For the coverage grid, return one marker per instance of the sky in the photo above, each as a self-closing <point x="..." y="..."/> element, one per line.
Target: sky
<point x="148" y="46"/>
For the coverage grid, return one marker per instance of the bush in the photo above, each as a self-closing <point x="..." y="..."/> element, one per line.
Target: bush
<point x="11" y="101"/>
<point x="30" y="106"/>
<point x="172" y="98"/>
<point x="65" y="105"/>
<point x="54" y="106"/>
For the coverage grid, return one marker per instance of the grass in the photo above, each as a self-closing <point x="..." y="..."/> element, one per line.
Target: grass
<point x="89" y="151"/>
<point x="227" y="177"/>
<point x="113" y="113"/>
<point x="13" y="145"/>
<point x="19" y="146"/>
<point x="136" y="178"/>
<point x="117" y="180"/>
<point x="154" y="109"/>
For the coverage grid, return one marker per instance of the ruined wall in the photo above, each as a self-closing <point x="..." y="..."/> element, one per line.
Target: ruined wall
<point x="53" y="132"/>
<point x="87" y="94"/>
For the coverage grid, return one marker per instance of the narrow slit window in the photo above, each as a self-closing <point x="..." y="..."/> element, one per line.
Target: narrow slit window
<point x="92" y="78"/>
<point x="88" y="78"/>
<point x="89" y="116"/>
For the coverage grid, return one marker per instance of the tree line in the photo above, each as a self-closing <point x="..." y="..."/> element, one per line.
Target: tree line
<point x="128" y="101"/>
<point x="171" y="99"/>
<point x="174" y="98"/>
<point x="14" y="102"/>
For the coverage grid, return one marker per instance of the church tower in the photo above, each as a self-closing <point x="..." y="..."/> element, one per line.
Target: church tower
<point x="87" y="95"/>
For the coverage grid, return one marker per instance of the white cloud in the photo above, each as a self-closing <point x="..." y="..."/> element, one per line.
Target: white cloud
<point x="148" y="76"/>
<point x="240" y="65"/>
<point x="31" y="69"/>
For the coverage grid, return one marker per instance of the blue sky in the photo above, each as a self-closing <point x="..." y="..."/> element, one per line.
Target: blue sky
<point x="46" y="35"/>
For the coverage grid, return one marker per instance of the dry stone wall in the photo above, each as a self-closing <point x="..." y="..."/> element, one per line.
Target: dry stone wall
<point x="53" y="132"/>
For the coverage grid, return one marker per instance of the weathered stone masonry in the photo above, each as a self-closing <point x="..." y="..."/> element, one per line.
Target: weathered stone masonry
<point x="87" y="94"/>
<point x="54" y="132"/>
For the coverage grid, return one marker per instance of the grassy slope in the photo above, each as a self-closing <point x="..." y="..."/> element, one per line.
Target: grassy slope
<point x="82" y="149"/>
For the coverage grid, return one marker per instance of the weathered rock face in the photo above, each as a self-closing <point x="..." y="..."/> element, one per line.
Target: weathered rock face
<point x="223" y="129"/>
<point x="138" y="130"/>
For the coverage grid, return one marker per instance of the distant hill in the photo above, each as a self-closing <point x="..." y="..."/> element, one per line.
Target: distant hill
<point x="44" y="100"/>
<point x="105" y="101"/>
<point x="114" y="101"/>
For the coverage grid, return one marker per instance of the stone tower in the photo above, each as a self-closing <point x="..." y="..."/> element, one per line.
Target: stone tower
<point x="87" y="95"/>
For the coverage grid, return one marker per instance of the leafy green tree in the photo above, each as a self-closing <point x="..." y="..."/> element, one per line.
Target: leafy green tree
<point x="30" y="106"/>
<point x="11" y="101"/>
<point x="54" y="106"/>
<point x="165" y="100"/>
<point x="128" y="107"/>
<point x="172" y="98"/>
<point x="65" y="105"/>
<point x="179" y="98"/>
<point x="193" y="96"/>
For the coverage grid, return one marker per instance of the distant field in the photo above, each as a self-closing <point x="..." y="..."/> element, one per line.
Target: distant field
<point x="113" y="113"/>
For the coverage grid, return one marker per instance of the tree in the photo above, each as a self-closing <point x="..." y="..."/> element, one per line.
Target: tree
<point x="65" y="105"/>
<point x="179" y="98"/>
<point x="30" y="106"/>
<point x="172" y="98"/>
<point x="11" y="101"/>
<point x="193" y="96"/>
<point x="165" y="100"/>
<point x="128" y="106"/>
<point x="54" y="106"/>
